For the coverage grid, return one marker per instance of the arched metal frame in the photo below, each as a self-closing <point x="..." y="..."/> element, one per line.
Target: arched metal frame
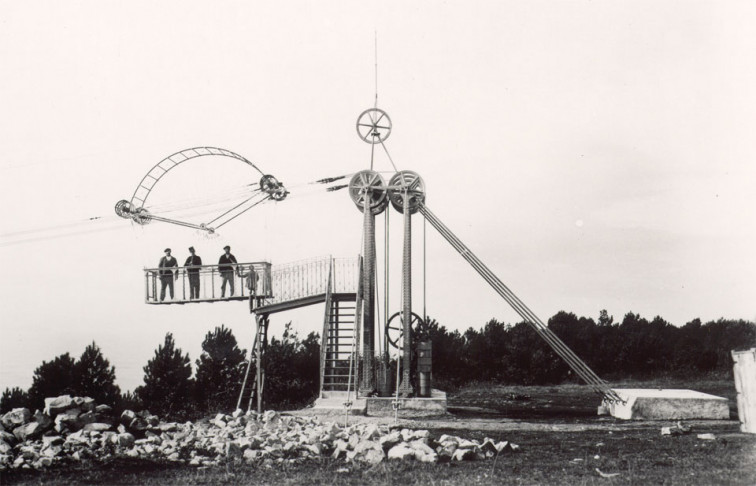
<point x="148" y="182"/>
<point x="270" y="188"/>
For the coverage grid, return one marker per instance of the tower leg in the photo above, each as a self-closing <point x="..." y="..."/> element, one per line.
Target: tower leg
<point x="405" y="388"/>
<point x="367" y="382"/>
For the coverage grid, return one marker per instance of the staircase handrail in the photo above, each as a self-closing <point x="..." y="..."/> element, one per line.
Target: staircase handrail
<point x="326" y="320"/>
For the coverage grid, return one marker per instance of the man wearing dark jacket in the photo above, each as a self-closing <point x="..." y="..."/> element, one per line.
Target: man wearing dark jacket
<point x="192" y="265"/>
<point x="226" y="266"/>
<point x="167" y="274"/>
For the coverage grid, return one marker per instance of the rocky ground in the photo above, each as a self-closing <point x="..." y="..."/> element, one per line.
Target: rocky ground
<point x="71" y="429"/>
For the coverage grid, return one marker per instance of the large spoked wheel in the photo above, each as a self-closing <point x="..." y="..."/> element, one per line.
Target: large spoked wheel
<point x="406" y="184"/>
<point x="373" y="126"/>
<point x="395" y="326"/>
<point x="367" y="189"/>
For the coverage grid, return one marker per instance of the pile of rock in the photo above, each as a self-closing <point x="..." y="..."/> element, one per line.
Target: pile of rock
<point x="72" y="429"/>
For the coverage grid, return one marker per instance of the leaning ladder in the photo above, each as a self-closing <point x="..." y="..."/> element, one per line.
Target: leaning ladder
<point x="246" y="378"/>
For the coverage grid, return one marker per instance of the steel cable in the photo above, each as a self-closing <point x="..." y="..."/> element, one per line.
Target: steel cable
<point x="573" y="361"/>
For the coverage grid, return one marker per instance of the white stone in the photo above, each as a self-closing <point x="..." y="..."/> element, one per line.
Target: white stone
<point x="401" y="451"/>
<point x="464" y="455"/>
<point x="16" y="417"/>
<point x="667" y="404"/>
<point x="56" y="405"/>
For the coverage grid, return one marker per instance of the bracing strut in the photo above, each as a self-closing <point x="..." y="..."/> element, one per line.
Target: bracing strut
<point x="573" y="361"/>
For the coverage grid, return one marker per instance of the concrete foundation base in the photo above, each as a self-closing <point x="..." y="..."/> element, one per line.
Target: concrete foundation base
<point x="408" y="407"/>
<point x="333" y="402"/>
<point x="666" y="404"/>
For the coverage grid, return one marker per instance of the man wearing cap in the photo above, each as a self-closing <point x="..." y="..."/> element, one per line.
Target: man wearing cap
<point x="226" y="266"/>
<point x="167" y="275"/>
<point x="192" y="265"/>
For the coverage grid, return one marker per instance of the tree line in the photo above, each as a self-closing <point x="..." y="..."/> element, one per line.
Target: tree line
<point x="498" y="353"/>
<point x="634" y="348"/>
<point x="171" y="388"/>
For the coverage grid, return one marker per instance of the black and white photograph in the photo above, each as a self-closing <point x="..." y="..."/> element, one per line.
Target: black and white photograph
<point x="439" y="242"/>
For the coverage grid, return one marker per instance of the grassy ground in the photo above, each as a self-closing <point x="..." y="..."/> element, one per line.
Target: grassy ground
<point x="561" y="439"/>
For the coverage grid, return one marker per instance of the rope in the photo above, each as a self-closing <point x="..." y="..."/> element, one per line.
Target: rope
<point x="238" y="205"/>
<point x="425" y="312"/>
<point x="386" y="287"/>
<point x="389" y="157"/>
<point x="239" y="214"/>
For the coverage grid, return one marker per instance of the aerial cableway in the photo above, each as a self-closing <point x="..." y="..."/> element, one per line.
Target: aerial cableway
<point x="352" y="327"/>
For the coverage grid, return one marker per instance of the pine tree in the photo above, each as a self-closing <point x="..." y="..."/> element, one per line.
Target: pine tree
<point x="220" y="370"/>
<point x="53" y="378"/>
<point x="13" y="398"/>
<point x="167" y="381"/>
<point x="95" y="377"/>
<point x="292" y="370"/>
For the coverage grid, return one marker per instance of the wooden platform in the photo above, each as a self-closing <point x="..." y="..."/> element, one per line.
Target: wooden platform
<point x="197" y="301"/>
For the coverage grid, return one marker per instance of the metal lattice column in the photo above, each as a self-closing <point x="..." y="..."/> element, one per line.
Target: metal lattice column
<point x="405" y="389"/>
<point x="367" y="382"/>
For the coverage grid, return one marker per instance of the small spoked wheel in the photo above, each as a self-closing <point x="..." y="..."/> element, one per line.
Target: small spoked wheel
<point x="408" y="184"/>
<point x="141" y="216"/>
<point x="275" y="189"/>
<point x="395" y="327"/>
<point x="373" y="126"/>
<point x="124" y="208"/>
<point x="368" y="189"/>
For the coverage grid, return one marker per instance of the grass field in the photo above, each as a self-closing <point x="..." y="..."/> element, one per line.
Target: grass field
<point x="561" y="439"/>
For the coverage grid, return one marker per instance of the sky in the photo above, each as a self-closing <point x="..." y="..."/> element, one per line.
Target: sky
<point x="595" y="155"/>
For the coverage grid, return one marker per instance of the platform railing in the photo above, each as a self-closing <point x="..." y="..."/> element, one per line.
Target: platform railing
<point x="209" y="279"/>
<point x="274" y="283"/>
<point x="308" y="278"/>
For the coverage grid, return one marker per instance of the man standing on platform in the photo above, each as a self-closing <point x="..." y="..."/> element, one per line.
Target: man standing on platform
<point x="166" y="272"/>
<point x="226" y="267"/>
<point x="192" y="265"/>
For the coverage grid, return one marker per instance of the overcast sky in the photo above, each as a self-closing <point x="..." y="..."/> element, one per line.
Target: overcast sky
<point x="595" y="155"/>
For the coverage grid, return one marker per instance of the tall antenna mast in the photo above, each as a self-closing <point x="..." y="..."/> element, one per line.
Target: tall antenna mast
<point x="376" y="69"/>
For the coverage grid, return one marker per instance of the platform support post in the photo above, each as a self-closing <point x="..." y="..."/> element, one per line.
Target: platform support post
<point x="261" y="321"/>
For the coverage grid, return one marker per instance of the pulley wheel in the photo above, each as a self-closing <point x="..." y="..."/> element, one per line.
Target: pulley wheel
<point x="124" y="208"/>
<point x="279" y="194"/>
<point x="395" y="327"/>
<point x="373" y="126"/>
<point x="141" y="216"/>
<point x="367" y="188"/>
<point x="408" y="184"/>
<point x="268" y="183"/>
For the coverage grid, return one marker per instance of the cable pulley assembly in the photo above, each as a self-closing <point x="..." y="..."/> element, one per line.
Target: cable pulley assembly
<point x="269" y="188"/>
